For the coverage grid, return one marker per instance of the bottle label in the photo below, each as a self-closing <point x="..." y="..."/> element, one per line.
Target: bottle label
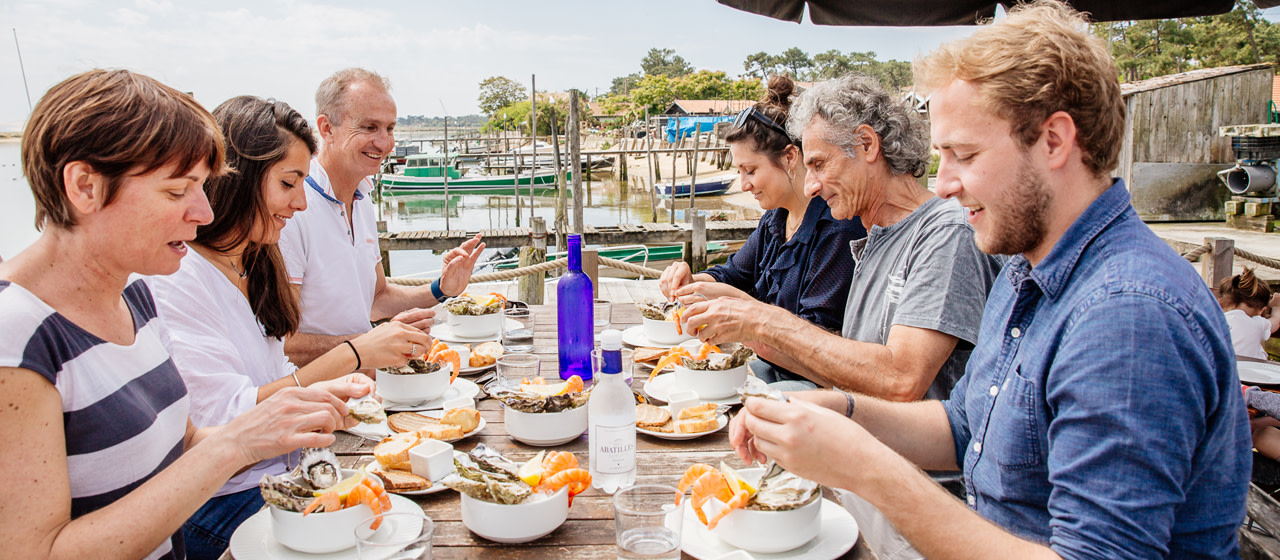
<point x="614" y="448"/>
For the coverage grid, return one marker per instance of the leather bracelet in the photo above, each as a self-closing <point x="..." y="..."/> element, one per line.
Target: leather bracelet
<point x="848" y="407"/>
<point x="437" y="292"/>
<point x="353" y="351"/>
<point x="295" y="378"/>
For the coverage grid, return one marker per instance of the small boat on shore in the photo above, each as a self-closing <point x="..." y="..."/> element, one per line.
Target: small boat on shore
<point x="426" y="173"/>
<point x="710" y="186"/>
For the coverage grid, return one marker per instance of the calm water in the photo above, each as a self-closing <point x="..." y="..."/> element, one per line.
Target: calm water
<point x="610" y="203"/>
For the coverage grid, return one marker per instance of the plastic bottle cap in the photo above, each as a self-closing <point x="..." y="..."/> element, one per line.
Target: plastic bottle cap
<point x="611" y="339"/>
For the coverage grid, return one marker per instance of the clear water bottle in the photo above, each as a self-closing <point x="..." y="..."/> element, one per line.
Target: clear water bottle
<point x="611" y="413"/>
<point x="574" y="309"/>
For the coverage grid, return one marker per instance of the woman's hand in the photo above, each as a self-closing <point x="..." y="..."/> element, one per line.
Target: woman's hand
<point x="675" y="277"/>
<point x="287" y="420"/>
<point x="349" y="386"/>
<point x="390" y="344"/>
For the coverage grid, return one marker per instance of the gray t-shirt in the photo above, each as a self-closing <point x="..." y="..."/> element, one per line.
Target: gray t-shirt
<point x="924" y="271"/>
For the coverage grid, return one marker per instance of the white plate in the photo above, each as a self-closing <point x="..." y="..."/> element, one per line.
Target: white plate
<point x="661" y="386"/>
<point x="461" y="388"/>
<point x="722" y="419"/>
<point x="435" y="484"/>
<point x="445" y="332"/>
<point x="381" y="430"/>
<point x="1258" y="372"/>
<point x="634" y="336"/>
<point x="253" y="539"/>
<point x="838" y="534"/>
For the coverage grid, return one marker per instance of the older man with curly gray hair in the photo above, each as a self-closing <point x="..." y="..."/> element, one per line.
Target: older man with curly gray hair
<point x="920" y="283"/>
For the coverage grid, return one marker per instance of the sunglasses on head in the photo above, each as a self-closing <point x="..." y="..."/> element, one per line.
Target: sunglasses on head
<point x="751" y="112"/>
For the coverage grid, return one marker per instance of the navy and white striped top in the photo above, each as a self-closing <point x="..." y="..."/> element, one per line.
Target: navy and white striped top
<point x="124" y="408"/>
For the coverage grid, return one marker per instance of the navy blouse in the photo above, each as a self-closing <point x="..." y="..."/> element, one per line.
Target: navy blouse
<point x="808" y="275"/>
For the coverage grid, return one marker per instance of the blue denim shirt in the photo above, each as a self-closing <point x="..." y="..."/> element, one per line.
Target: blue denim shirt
<point x="1100" y="412"/>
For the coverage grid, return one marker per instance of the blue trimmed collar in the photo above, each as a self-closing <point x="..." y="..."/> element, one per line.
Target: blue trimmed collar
<point x="312" y="182"/>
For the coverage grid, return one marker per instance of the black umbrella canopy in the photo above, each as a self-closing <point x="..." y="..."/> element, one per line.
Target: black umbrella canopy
<point x="901" y="13"/>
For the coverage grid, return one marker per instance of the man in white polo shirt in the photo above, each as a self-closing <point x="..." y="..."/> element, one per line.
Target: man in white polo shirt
<point x="331" y="248"/>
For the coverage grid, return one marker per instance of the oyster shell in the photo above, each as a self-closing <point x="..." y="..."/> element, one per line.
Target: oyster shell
<point x="738" y="356"/>
<point x="320" y="467"/>
<point x="780" y="490"/>
<point x="534" y="403"/>
<point x="755" y="387"/>
<point x="284" y="493"/>
<point x="491" y="461"/>
<point x="489" y="490"/>
<point x="658" y="310"/>
<point x="484" y="474"/>
<point x="366" y="409"/>
<point x="466" y="305"/>
<point x="415" y="366"/>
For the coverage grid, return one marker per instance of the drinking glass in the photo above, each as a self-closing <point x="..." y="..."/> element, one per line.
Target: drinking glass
<point x="647" y="522"/>
<point x="514" y="367"/>
<point x="404" y="536"/>
<point x="597" y="362"/>
<point x="517" y="330"/>
<point x="602" y="310"/>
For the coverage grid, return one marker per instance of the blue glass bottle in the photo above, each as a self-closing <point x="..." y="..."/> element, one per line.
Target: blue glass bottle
<point x="574" y="310"/>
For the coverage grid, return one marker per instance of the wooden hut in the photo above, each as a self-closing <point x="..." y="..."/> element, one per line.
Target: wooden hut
<point x="1171" y="152"/>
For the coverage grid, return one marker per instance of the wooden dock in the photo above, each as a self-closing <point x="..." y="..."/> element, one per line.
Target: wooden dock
<point x="621" y="234"/>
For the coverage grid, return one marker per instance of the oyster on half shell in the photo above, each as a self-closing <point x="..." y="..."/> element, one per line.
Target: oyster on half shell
<point x="534" y="403"/>
<point x="284" y="493"/>
<point x="780" y="490"/>
<point x="658" y="310"/>
<point x="738" y="356"/>
<point x="320" y="467"/>
<point x="484" y="474"/>
<point x="366" y="409"/>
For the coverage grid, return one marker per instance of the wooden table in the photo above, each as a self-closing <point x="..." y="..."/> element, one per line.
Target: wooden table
<point x="589" y="531"/>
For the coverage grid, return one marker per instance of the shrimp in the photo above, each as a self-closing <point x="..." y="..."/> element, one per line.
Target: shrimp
<point x="558" y="461"/>
<point x="578" y="480"/>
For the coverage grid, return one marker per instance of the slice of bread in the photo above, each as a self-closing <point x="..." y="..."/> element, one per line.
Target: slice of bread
<point x="400" y="480"/>
<point x="646" y="354"/>
<point x="700" y="412"/>
<point x="485" y="354"/>
<point x="410" y="422"/>
<point x="444" y="432"/>
<point x="394" y="450"/>
<point x="466" y="419"/>
<point x="648" y="415"/>
<point x="697" y="426"/>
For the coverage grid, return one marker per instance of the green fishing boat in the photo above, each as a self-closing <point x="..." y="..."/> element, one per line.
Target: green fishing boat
<point x="426" y="174"/>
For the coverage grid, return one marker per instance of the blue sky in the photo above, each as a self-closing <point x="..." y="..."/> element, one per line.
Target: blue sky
<point x="434" y="52"/>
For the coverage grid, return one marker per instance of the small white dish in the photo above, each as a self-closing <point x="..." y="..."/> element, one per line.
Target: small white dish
<point x="460" y="388"/>
<point x="722" y="421"/>
<point x="545" y="429"/>
<point x="519" y="523"/>
<point x="435" y="486"/>
<point x="449" y="333"/>
<point x="253" y="540"/>
<point x="1258" y="373"/>
<point x="662" y="386"/>
<point x="431" y="459"/>
<point x="838" y="534"/>
<point x="663" y="332"/>
<point x="681" y="400"/>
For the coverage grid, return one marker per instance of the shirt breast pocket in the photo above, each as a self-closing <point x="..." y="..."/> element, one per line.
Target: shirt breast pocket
<point x="1015" y="432"/>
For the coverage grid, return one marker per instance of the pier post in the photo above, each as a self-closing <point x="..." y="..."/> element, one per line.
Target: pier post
<point x="1216" y="265"/>
<point x="386" y="253"/>
<point x="653" y="204"/>
<point x="695" y="254"/>
<point x="591" y="266"/>
<point x="532" y="285"/>
<point x="675" y="156"/>
<point x="575" y="155"/>
<point x="693" y="173"/>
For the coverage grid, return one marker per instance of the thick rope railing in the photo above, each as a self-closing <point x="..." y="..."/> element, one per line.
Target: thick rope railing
<point x="1195" y="254"/>
<point x="535" y="269"/>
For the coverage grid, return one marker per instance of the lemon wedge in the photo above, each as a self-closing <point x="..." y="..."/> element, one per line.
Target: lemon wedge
<point x="345" y="486"/>
<point x="531" y="471"/>
<point x="735" y="481"/>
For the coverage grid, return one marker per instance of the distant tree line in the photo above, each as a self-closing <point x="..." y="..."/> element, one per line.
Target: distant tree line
<point x="1150" y="48"/>
<point x="465" y="121"/>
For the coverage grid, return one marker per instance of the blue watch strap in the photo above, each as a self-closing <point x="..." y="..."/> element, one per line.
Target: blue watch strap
<point x="437" y="292"/>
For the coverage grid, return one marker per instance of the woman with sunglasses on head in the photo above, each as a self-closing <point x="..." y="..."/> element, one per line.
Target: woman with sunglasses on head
<point x="798" y="258"/>
<point x="229" y="306"/>
<point x="103" y="460"/>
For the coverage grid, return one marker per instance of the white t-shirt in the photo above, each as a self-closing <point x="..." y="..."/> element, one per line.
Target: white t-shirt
<point x="335" y="266"/>
<point x="220" y="350"/>
<point x="1248" y="333"/>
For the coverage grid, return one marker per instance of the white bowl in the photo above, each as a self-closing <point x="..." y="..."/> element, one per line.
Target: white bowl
<point x="517" y="523"/>
<point x="322" y="532"/>
<point x="414" y="387"/>
<point x="476" y="326"/>
<point x="663" y="332"/>
<point x="711" y="384"/>
<point x="768" y="532"/>
<point x="546" y="428"/>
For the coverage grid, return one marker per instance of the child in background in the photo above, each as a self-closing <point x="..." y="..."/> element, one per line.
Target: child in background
<point x="1243" y="298"/>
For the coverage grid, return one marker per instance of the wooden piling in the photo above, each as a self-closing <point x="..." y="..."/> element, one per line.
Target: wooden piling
<point x="591" y="266"/>
<point x="698" y="252"/>
<point x="575" y="155"/>
<point x="675" y="156"/>
<point x="653" y="205"/>
<point x="1217" y="264"/>
<point x="532" y="285"/>
<point x="693" y="174"/>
